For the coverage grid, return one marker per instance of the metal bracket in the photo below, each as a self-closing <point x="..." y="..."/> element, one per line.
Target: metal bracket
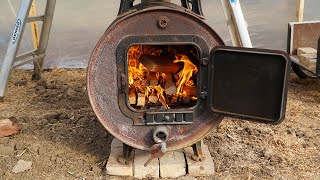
<point x="197" y="150"/>
<point x="126" y="156"/>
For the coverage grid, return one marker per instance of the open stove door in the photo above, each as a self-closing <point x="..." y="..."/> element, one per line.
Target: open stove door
<point x="249" y="83"/>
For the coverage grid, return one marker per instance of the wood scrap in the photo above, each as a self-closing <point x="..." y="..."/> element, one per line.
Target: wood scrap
<point x="8" y="127"/>
<point x="141" y="99"/>
<point x="132" y="97"/>
<point x="170" y="87"/>
<point x="154" y="79"/>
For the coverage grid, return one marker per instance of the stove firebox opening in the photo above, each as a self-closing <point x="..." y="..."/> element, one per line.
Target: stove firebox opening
<point x="162" y="76"/>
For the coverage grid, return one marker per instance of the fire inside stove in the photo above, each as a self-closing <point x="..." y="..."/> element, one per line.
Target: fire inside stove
<point x="163" y="77"/>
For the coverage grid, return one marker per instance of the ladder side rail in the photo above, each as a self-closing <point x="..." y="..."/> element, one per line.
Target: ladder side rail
<point x="44" y="37"/>
<point x="14" y="43"/>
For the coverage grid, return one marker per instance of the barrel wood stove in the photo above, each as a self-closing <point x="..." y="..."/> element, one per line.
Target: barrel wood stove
<point x="160" y="78"/>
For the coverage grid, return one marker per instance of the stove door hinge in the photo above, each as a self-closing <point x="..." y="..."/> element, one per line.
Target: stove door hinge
<point x="205" y="61"/>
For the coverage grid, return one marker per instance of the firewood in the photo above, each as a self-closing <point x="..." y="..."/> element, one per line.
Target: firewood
<point x="141" y="99"/>
<point x="137" y="83"/>
<point x="159" y="63"/>
<point x="145" y="82"/>
<point x="154" y="79"/>
<point x="132" y="97"/>
<point x="186" y="100"/>
<point x="190" y="91"/>
<point x="174" y="99"/>
<point x="170" y="87"/>
<point x="153" y="98"/>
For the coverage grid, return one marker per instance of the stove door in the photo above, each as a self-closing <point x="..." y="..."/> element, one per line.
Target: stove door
<point x="249" y="84"/>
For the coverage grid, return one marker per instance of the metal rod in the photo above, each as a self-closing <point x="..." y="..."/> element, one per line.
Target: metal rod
<point x="14" y="44"/>
<point x="44" y="37"/>
<point x="25" y="55"/>
<point x="230" y="23"/>
<point x="35" y="18"/>
<point x="18" y="64"/>
<point x="240" y="23"/>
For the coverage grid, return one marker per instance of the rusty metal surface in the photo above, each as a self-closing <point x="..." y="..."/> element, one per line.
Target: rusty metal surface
<point x="102" y="78"/>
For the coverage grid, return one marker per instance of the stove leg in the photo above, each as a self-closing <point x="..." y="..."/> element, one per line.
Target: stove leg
<point x="197" y="150"/>
<point x="126" y="156"/>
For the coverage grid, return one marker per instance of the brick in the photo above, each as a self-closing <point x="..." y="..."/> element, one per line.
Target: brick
<point x="114" y="167"/>
<point x="306" y="50"/>
<point x="139" y="171"/>
<point x="204" y="168"/>
<point x="172" y="165"/>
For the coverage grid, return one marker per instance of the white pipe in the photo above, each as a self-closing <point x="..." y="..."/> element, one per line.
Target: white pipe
<point x="230" y="23"/>
<point x="240" y="23"/>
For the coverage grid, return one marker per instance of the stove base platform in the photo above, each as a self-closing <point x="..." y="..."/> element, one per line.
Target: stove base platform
<point x="172" y="165"/>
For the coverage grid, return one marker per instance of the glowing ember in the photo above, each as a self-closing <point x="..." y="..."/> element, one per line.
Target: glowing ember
<point x="161" y="88"/>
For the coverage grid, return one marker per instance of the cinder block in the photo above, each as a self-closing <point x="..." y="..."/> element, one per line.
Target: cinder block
<point x="306" y="50"/>
<point x="309" y="60"/>
<point x="139" y="171"/>
<point x="204" y="168"/>
<point x="114" y="167"/>
<point x="172" y="165"/>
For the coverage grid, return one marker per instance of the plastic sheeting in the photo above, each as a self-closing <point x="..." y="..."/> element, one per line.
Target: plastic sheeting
<point x="78" y="24"/>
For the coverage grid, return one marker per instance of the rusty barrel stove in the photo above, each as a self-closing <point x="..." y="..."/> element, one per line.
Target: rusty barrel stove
<point x="246" y="83"/>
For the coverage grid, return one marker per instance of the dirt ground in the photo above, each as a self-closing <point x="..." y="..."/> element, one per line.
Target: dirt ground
<point x="62" y="137"/>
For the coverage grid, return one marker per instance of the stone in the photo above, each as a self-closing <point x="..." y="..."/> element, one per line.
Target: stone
<point x="139" y="171"/>
<point x="306" y="50"/>
<point x="22" y="166"/>
<point x="8" y="127"/>
<point x="4" y="140"/>
<point x="71" y="92"/>
<point x="172" y="165"/>
<point x="114" y="167"/>
<point x="6" y="151"/>
<point x="203" y="168"/>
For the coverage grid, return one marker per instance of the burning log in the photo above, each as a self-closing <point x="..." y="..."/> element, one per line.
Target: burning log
<point x="154" y="79"/>
<point x="141" y="99"/>
<point x="145" y="82"/>
<point x="174" y="99"/>
<point x="190" y="91"/>
<point x="137" y="83"/>
<point x="186" y="100"/>
<point x="132" y="97"/>
<point x="153" y="98"/>
<point x="170" y="87"/>
<point x="159" y="63"/>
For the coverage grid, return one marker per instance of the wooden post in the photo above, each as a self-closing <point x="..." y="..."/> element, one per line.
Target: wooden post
<point x="34" y="26"/>
<point x="300" y="10"/>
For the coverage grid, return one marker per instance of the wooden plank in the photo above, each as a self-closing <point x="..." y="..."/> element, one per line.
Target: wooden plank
<point x="34" y="26"/>
<point x="300" y="10"/>
<point x="304" y="34"/>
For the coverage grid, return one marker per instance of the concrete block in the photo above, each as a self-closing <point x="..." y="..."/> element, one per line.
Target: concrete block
<point x="114" y="167"/>
<point x="172" y="165"/>
<point x="116" y="143"/>
<point x="309" y="60"/>
<point x="204" y="168"/>
<point x="139" y="171"/>
<point x="306" y="50"/>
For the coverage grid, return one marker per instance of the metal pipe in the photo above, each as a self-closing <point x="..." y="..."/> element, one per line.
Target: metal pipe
<point x="241" y="23"/>
<point x="230" y="23"/>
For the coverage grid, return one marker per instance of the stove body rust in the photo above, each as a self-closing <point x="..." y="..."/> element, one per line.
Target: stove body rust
<point x="163" y="24"/>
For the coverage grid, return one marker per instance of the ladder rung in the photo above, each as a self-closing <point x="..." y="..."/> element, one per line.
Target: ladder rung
<point x="29" y="60"/>
<point x="25" y="55"/>
<point x="34" y="18"/>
